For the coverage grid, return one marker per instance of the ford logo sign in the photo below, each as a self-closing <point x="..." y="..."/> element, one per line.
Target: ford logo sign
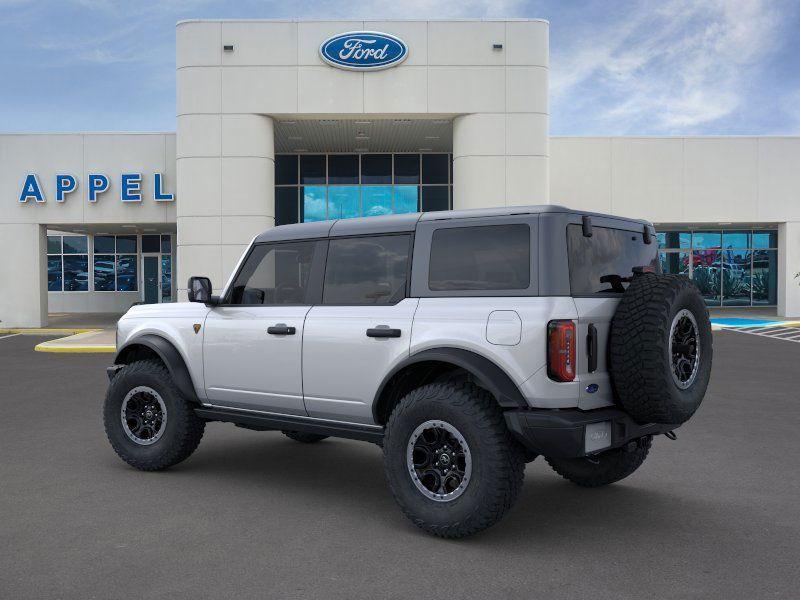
<point x="363" y="50"/>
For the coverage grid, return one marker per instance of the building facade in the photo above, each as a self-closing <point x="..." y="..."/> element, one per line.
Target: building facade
<point x="287" y="121"/>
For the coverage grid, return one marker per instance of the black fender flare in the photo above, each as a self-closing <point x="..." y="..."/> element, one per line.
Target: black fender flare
<point x="169" y="355"/>
<point x="493" y="378"/>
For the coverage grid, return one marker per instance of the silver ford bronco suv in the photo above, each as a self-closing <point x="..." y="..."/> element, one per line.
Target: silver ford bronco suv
<point x="464" y="343"/>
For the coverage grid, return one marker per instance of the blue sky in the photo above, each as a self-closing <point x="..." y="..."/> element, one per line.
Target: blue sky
<point x="670" y="67"/>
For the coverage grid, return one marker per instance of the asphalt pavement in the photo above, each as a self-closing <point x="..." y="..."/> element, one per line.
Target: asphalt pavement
<point x="715" y="514"/>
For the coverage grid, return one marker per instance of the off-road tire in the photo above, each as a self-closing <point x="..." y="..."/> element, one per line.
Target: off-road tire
<point x="640" y="355"/>
<point x="306" y="438"/>
<point x="602" y="469"/>
<point x="183" y="430"/>
<point x="498" y="465"/>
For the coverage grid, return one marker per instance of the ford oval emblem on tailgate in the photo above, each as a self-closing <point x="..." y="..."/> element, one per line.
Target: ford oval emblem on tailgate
<point x="363" y="50"/>
<point x="592" y="388"/>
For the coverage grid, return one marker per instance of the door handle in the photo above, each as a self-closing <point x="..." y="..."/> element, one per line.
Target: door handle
<point x="281" y="329"/>
<point x="383" y="331"/>
<point x="591" y="347"/>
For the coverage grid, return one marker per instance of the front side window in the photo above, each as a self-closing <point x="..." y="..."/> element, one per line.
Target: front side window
<point x="604" y="262"/>
<point x="367" y="270"/>
<point x="491" y="257"/>
<point x="274" y="274"/>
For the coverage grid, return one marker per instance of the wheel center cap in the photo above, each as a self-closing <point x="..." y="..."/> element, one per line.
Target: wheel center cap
<point x="444" y="459"/>
<point x="149" y="414"/>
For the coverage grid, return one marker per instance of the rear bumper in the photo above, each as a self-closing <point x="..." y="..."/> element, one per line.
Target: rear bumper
<point x="570" y="433"/>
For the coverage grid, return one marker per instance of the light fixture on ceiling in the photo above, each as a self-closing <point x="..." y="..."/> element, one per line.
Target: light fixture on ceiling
<point x="363" y="122"/>
<point x="328" y="121"/>
<point x="402" y="121"/>
<point x="301" y="149"/>
<point x="288" y="122"/>
<point x="432" y="137"/>
<point x="426" y="149"/>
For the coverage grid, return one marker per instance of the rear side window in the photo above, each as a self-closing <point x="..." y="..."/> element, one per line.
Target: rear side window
<point x="274" y="274"/>
<point x="491" y="257"/>
<point x="604" y="262"/>
<point x="367" y="270"/>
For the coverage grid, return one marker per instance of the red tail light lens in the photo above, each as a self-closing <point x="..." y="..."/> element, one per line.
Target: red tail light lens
<point x="561" y="350"/>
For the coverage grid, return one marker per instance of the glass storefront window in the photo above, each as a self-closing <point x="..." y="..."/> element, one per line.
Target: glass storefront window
<point x="376" y="200"/>
<point x="736" y="278"/>
<point x="674" y="239"/>
<point x="54" y="275"/>
<point x="406" y="199"/>
<point x="104" y="273"/>
<point x="75" y="244"/>
<point x="765" y="277"/>
<point x="312" y="168"/>
<point x="313" y="203"/>
<point x="126" y="274"/>
<point x="435" y="197"/>
<point x="67" y="263"/>
<point x="286" y="206"/>
<point x="676" y="263"/>
<point x="434" y="168"/>
<point x="343" y="202"/>
<point x="707" y="239"/>
<point x="166" y="244"/>
<point x="706" y="274"/>
<point x="76" y="273"/>
<point x="166" y="278"/>
<point x="343" y="168"/>
<point x="104" y="244"/>
<point x="126" y="244"/>
<point x="376" y="168"/>
<point x="151" y="243"/>
<point x="765" y="239"/>
<point x="54" y="244"/>
<point x="736" y="239"/>
<point x="406" y="168"/>
<point x="286" y="169"/>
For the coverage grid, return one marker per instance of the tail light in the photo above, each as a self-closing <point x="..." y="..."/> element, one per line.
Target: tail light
<point x="561" y="350"/>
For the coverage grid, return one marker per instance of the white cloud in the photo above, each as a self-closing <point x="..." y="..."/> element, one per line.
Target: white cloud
<point x="669" y="66"/>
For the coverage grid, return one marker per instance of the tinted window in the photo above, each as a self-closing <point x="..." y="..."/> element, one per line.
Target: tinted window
<point x="434" y="198"/>
<point x="151" y="243"/>
<point x="104" y="244"/>
<point x="376" y="168"/>
<point x="493" y="257"/>
<point x="274" y="274"/>
<point x="285" y="169"/>
<point x="605" y="261"/>
<point x="285" y="205"/>
<point x="126" y="244"/>
<point x="312" y="168"/>
<point x="368" y="270"/>
<point x="75" y="244"/>
<point x="434" y="168"/>
<point x="343" y="168"/>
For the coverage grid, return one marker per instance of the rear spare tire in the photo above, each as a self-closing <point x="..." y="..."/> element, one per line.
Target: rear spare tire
<point x="660" y="349"/>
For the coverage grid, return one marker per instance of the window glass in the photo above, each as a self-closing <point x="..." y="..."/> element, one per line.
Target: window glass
<point x="313" y="203"/>
<point x="312" y="168"/>
<point x="285" y="169"/>
<point x="54" y="244"/>
<point x="76" y="273"/>
<point x="166" y="244"/>
<point x="126" y="244"/>
<point x="151" y="243"/>
<point x="126" y="273"/>
<point x="368" y="270"/>
<point x="736" y="277"/>
<point x="406" y="168"/>
<point x="604" y="262"/>
<point x="343" y="168"/>
<point x="376" y="200"/>
<point x="104" y="272"/>
<point x="376" y="168"/>
<point x="706" y="272"/>
<point x="765" y="277"/>
<point x="285" y="205"/>
<point x="434" y="168"/>
<point x="274" y="274"/>
<point x="736" y="239"/>
<point x="674" y="239"/>
<point x="493" y="257"/>
<point x="765" y="239"/>
<point x="343" y="201"/>
<point x="54" y="280"/>
<point x="104" y="244"/>
<point x="706" y="239"/>
<point x="434" y="198"/>
<point x="166" y="278"/>
<point x="406" y="199"/>
<point x="676" y="263"/>
<point x="75" y="244"/>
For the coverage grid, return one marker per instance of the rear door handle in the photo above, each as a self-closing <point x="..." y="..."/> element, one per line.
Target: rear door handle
<point x="281" y="329"/>
<point x="591" y="347"/>
<point x="382" y="331"/>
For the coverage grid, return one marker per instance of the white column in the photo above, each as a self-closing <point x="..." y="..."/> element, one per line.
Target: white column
<point x="23" y="302"/>
<point x="788" y="265"/>
<point x="226" y="175"/>
<point x="500" y="160"/>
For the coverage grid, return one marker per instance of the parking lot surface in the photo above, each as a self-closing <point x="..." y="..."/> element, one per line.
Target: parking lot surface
<point x="715" y="514"/>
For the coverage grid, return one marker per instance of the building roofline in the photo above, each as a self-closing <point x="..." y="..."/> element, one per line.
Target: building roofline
<point x="462" y="20"/>
<point x="12" y="133"/>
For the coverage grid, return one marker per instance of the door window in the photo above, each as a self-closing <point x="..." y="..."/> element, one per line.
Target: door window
<point x="274" y="274"/>
<point x="367" y="270"/>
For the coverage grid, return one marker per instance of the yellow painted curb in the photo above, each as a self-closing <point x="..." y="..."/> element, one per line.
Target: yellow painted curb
<point x="44" y="347"/>
<point x="46" y="331"/>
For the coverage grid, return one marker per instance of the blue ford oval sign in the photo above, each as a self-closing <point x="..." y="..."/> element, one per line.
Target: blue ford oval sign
<point x="363" y="50"/>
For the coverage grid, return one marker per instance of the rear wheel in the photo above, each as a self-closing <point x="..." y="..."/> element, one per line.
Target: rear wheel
<point x="451" y="463"/>
<point x="603" y="469"/>
<point x="306" y="438"/>
<point x="150" y="425"/>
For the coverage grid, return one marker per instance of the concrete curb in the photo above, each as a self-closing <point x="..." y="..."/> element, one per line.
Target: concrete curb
<point x="43" y="347"/>
<point x="46" y="331"/>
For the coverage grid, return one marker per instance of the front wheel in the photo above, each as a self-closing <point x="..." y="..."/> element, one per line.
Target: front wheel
<point x="603" y="469"/>
<point x="150" y="425"/>
<point x="451" y="463"/>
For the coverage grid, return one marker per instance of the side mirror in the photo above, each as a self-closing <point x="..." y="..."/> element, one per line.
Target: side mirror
<point x="199" y="290"/>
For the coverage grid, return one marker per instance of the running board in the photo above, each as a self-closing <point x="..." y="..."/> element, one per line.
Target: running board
<point x="265" y="421"/>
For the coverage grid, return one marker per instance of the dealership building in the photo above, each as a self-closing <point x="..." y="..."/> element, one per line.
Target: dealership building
<point x="290" y="121"/>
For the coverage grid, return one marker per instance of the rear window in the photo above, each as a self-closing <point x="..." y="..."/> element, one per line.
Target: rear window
<point x="604" y="262"/>
<point x="491" y="257"/>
